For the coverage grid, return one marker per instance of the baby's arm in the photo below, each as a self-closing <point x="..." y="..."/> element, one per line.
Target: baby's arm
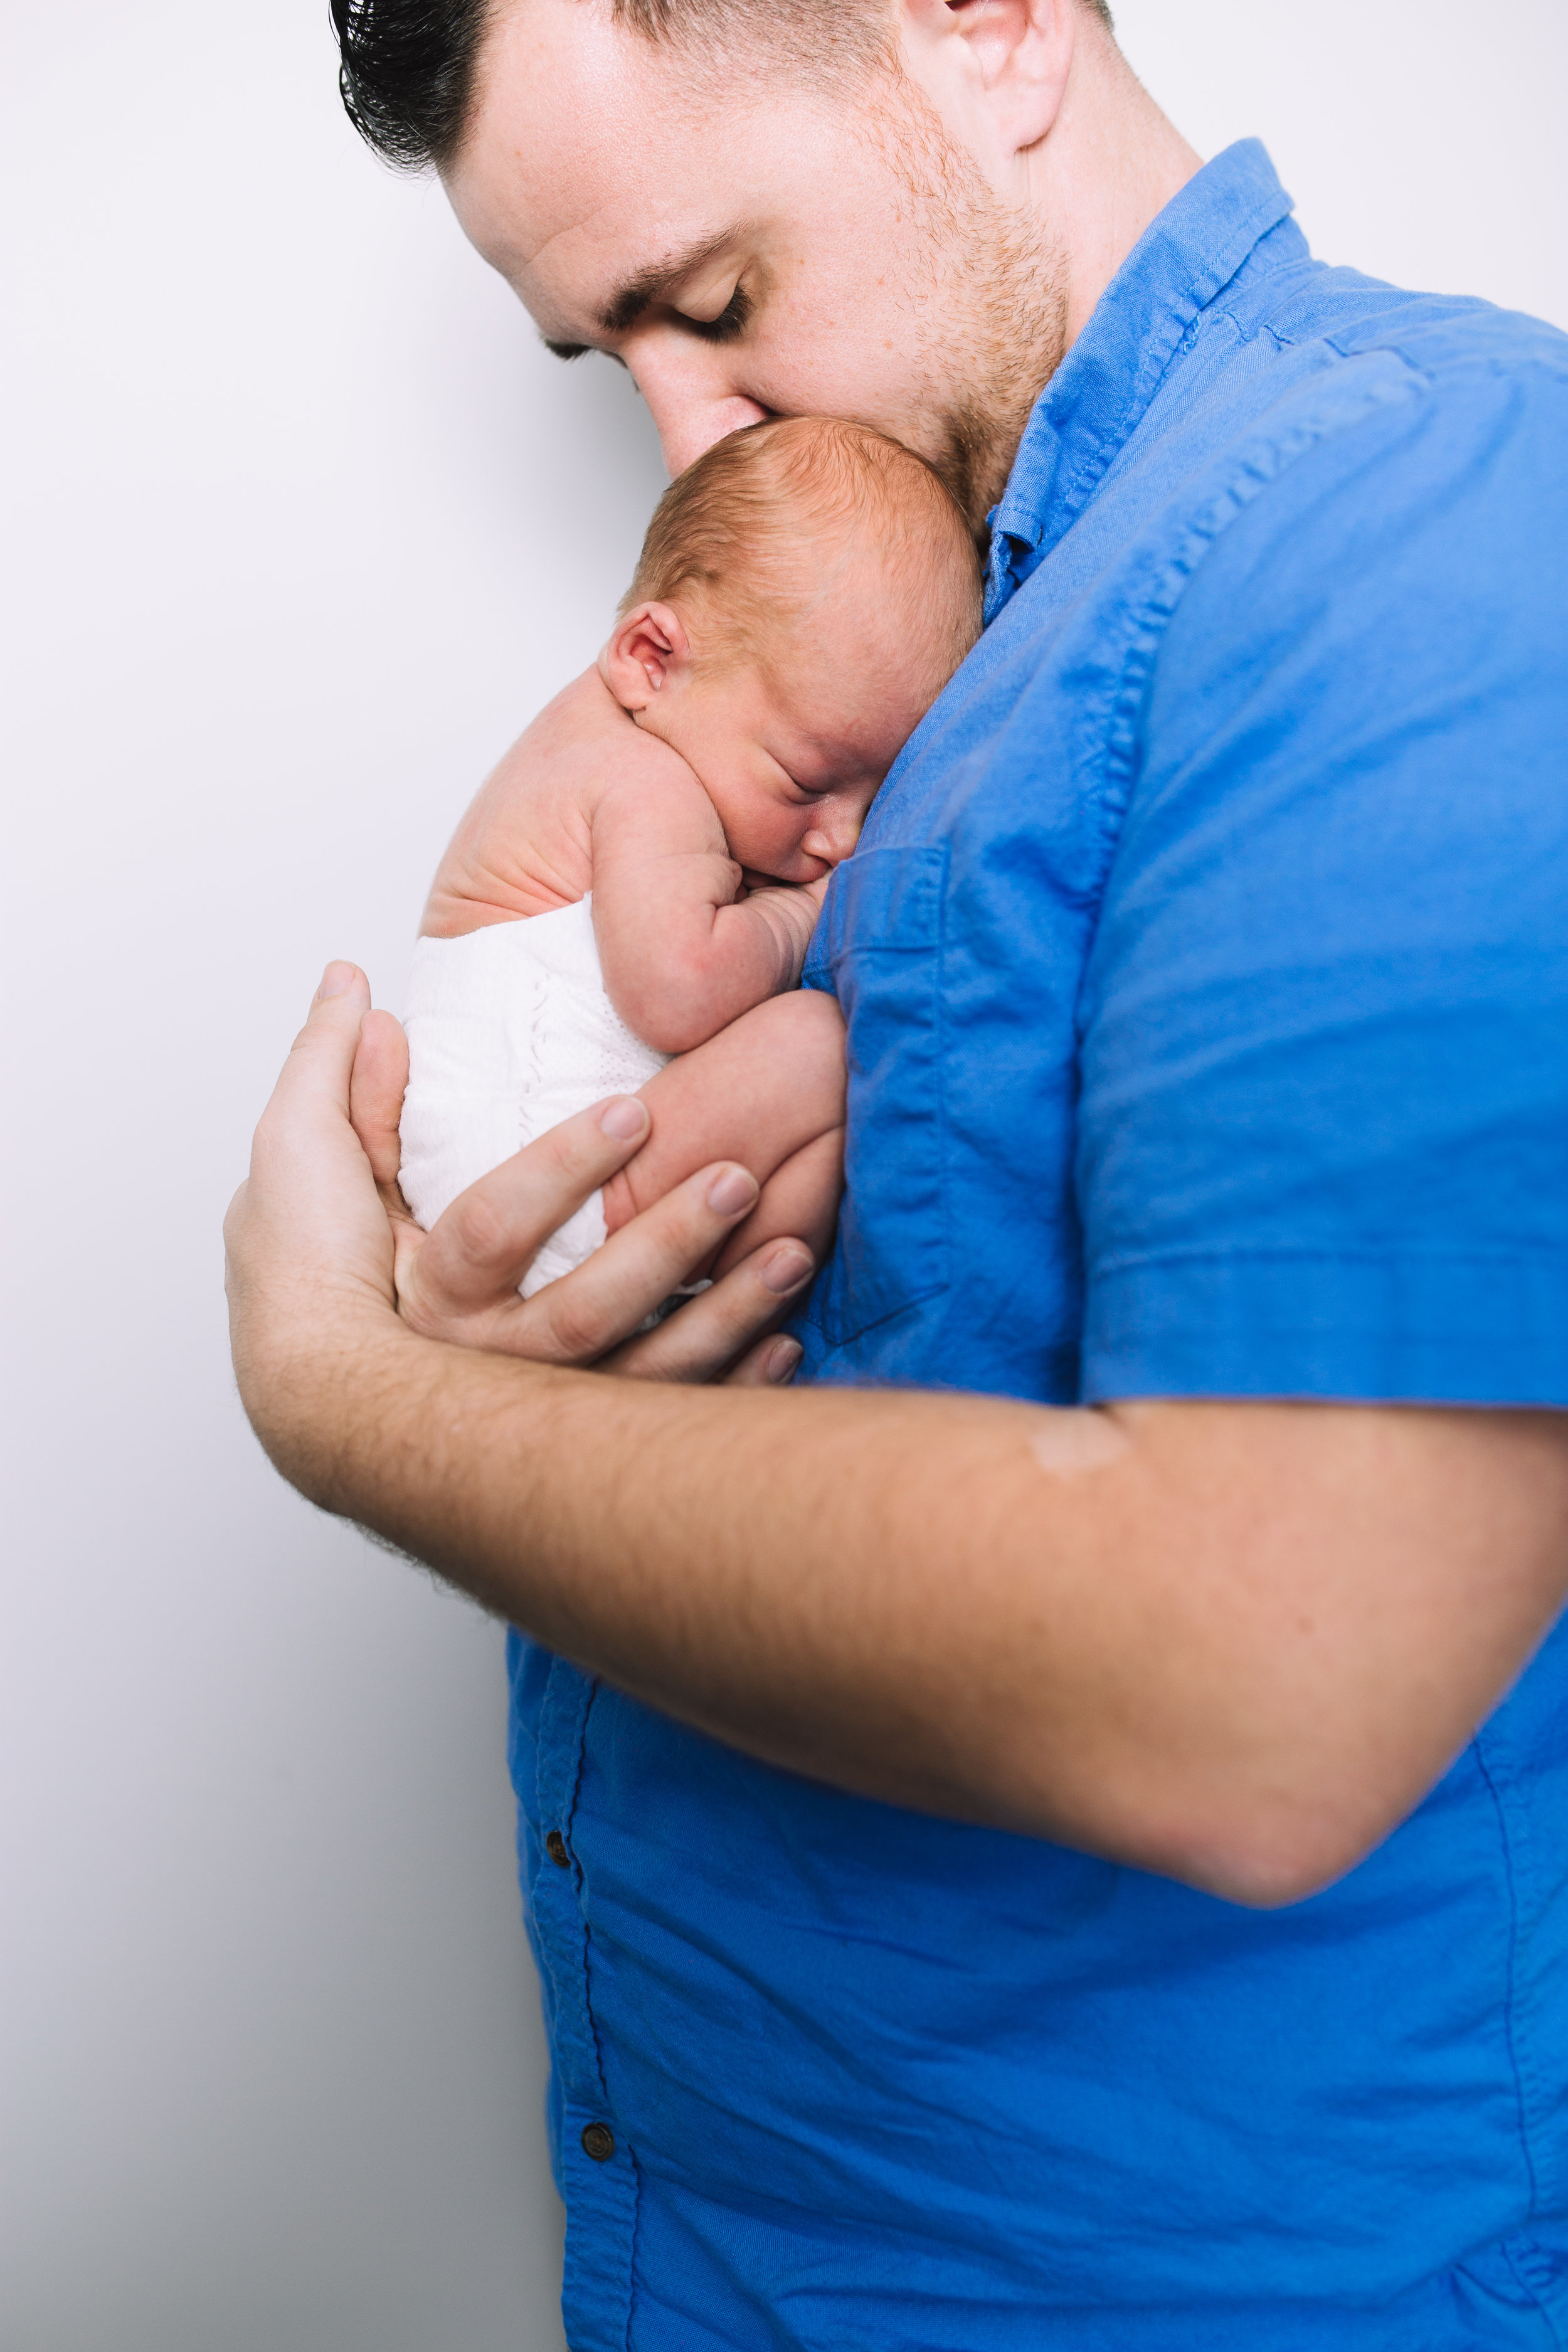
<point x="683" y="953"/>
<point x="767" y="1091"/>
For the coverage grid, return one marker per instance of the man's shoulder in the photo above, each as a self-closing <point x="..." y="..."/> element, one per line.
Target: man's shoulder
<point x="1427" y="392"/>
<point x="1446" y="338"/>
<point x="1371" y="589"/>
<point x="1343" y="479"/>
<point x="1448" y="397"/>
<point x="1326" y="408"/>
<point x="1406" y="468"/>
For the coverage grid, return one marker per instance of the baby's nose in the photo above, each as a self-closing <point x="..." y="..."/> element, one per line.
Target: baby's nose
<point x="834" y="838"/>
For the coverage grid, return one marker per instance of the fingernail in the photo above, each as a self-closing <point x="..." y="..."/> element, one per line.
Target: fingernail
<point x="785" y="1270"/>
<point x="623" y="1118"/>
<point x="785" y="1356"/>
<point x="335" y="980"/>
<point x="730" y="1193"/>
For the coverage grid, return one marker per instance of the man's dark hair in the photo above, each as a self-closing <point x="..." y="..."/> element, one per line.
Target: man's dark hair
<point x="407" y="74"/>
<point x="408" y="69"/>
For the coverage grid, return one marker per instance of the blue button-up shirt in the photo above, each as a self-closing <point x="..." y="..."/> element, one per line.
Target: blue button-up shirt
<point x="1205" y="967"/>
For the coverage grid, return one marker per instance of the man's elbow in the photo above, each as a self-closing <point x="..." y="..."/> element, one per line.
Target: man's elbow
<point x="1263" y="1836"/>
<point x="1286" y="1864"/>
<point x="1267" y="1852"/>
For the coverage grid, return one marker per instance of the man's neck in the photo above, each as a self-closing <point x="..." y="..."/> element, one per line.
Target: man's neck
<point x="1111" y="162"/>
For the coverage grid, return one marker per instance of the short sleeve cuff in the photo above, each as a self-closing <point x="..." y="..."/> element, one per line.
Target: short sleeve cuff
<point x="1481" y="1330"/>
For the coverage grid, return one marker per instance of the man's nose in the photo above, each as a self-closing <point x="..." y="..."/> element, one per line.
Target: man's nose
<point x="690" y="408"/>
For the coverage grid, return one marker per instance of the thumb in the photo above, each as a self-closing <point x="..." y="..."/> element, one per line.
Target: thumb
<point x="322" y="1056"/>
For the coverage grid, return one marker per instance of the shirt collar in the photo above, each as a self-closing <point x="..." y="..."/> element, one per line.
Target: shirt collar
<point x="1186" y="257"/>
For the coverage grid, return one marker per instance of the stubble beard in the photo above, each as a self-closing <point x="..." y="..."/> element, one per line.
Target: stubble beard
<point x="989" y="321"/>
<point x="1016" y="340"/>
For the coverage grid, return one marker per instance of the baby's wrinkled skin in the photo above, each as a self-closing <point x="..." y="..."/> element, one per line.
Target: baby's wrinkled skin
<point x="705" y="804"/>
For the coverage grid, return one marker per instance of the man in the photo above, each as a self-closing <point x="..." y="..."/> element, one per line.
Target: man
<point x="1080" y="1862"/>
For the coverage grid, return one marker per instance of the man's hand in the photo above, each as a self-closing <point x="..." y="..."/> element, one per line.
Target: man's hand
<point x="322" y="1250"/>
<point x="459" y="1282"/>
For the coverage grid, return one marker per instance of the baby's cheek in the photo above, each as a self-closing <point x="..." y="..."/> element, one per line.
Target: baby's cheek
<point x="768" y="840"/>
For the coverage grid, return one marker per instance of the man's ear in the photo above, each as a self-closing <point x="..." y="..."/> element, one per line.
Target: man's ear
<point x="650" y="652"/>
<point x="995" y="70"/>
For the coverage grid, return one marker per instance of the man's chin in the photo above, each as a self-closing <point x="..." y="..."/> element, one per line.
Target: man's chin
<point x="977" y="453"/>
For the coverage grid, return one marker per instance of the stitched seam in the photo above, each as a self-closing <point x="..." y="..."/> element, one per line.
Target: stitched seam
<point x="1097" y="459"/>
<point x="1493" y="1740"/>
<point x="943" y="1155"/>
<point x="1245" y="334"/>
<point x="842" y="1329"/>
<point x="577" y="1879"/>
<point x="1491" y="1774"/>
<point x="1131" y="1261"/>
<point x="586" y="1708"/>
<point x="1160" y="355"/>
<point x="1520" y="2261"/>
<point x="632" y="2245"/>
<point x="1259" y="470"/>
<point x="1106" y="798"/>
<point x="1512" y="370"/>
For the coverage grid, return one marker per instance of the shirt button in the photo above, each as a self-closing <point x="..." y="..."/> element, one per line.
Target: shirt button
<point x="599" y="2142"/>
<point x="555" y="1847"/>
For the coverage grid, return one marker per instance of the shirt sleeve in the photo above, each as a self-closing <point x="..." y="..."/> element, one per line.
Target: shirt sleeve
<point x="1324" y="1138"/>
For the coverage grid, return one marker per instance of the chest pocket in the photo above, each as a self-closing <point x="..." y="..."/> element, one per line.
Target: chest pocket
<point x="879" y="947"/>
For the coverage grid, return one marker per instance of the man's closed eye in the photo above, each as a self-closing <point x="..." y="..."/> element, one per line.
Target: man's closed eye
<point x="730" y="322"/>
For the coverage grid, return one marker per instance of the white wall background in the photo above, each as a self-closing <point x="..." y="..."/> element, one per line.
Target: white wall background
<point x="302" y="527"/>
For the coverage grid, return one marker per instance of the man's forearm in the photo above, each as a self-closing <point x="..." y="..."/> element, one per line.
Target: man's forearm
<point x="764" y="1565"/>
<point x="1111" y="1628"/>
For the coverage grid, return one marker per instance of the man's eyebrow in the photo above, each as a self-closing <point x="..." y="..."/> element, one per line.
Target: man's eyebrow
<point x="628" y="302"/>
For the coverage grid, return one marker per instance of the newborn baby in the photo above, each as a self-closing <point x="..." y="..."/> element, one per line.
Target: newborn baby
<point x="639" y="878"/>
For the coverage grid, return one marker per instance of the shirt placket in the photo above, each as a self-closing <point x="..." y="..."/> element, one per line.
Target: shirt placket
<point x="598" y="2173"/>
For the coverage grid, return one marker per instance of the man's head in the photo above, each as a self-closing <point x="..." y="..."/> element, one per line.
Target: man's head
<point x="806" y="590"/>
<point x="893" y="210"/>
<point x="409" y="67"/>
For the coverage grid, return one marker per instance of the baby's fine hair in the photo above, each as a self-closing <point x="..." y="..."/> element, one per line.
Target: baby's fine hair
<point x="755" y="526"/>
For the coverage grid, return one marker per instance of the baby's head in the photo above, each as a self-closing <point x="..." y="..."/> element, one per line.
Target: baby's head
<point x="806" y="590"/>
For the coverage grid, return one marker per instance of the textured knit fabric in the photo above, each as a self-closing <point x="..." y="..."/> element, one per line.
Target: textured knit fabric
<point x="510" y="1030"/>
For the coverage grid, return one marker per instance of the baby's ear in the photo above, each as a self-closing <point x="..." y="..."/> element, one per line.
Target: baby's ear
<point x="649" y="653"/>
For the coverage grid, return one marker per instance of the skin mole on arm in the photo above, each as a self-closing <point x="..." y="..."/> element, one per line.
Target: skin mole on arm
<point x="1068" y="1443"/>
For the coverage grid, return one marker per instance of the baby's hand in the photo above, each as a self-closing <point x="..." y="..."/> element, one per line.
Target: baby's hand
<point x="796" y="904"/>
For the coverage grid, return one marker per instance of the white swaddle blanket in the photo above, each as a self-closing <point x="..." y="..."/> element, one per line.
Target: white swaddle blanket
<point x="511" y="1030"/>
